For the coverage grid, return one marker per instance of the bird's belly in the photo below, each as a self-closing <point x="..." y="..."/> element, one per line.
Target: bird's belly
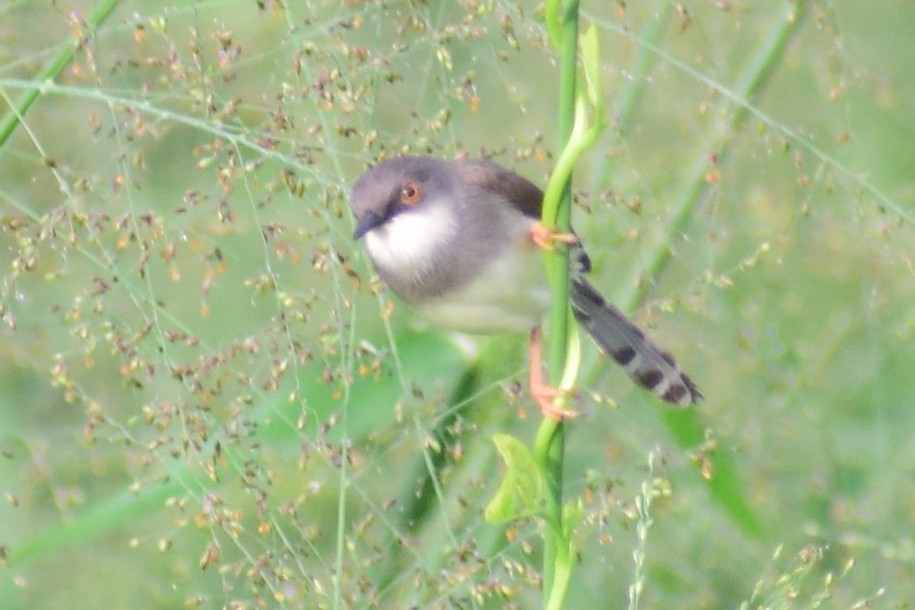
<point x="511" y="295"/>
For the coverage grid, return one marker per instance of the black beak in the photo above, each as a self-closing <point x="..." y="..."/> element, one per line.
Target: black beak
<point x="365" y="224"/>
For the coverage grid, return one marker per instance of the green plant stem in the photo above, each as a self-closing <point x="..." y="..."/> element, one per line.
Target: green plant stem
<point x="53" y="68"/>
<point x="562" y="21"/>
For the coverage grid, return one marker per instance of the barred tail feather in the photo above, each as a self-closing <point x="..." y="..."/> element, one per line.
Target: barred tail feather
<point x="651" y="367"/>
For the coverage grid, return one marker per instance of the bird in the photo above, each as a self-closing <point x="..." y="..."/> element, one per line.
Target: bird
<point x="460" y="242"/>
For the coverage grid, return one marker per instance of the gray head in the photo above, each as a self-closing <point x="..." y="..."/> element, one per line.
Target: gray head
<point x="393" y="187"/>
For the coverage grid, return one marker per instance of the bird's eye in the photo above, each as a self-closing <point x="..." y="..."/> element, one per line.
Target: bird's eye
<point x="410" y="193"/>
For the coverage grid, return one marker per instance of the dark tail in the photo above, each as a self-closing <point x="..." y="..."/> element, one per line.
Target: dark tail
<point x="647" y="364"/>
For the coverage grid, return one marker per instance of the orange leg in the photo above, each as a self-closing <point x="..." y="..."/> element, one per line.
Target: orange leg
<point x="547" y="238"/>
<point x="543" y="393"/>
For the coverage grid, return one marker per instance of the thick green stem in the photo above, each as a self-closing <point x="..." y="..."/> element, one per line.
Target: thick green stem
<point x="562" y="21"/>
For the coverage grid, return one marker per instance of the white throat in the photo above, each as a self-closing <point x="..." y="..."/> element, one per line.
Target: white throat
<point x="410" y="239"/>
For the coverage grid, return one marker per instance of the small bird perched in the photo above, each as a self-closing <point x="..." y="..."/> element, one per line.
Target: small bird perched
<point x="460" y="242"/>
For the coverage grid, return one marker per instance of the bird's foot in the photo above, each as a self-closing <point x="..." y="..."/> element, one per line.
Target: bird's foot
<point x="544" y="394"/>
<point x="546" y="238"/>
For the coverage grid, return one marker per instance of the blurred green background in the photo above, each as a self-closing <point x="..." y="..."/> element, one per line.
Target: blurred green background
<point x="206" y="400"/>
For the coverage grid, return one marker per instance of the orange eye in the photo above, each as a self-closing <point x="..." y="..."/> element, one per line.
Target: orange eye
<point x="410" y="193"/>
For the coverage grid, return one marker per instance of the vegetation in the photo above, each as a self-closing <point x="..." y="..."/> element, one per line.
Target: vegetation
<point x="207" y="400"/>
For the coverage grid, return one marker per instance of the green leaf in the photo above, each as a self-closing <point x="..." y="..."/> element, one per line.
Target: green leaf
<point x="522" y="488"/>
